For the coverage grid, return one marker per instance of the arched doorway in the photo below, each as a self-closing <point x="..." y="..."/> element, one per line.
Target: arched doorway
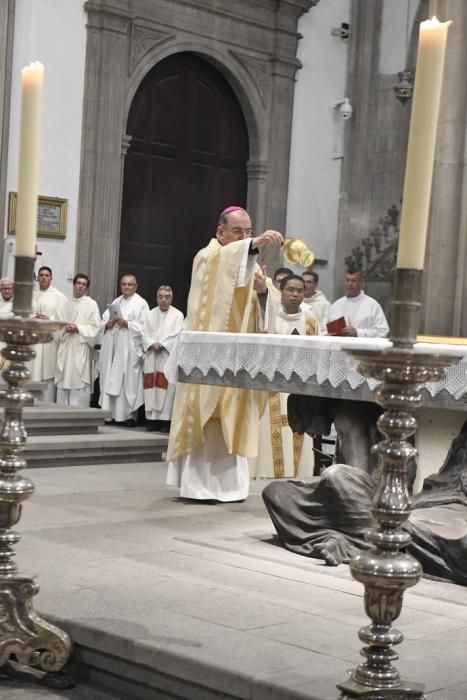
<point x="186" y="161"/>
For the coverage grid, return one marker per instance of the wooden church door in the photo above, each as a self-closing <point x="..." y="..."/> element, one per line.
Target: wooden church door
<point x="185" y="163"/>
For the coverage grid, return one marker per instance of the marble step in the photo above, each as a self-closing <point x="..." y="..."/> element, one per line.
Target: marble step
<point x="54" y="419"/>
<point x="109" y="445"/>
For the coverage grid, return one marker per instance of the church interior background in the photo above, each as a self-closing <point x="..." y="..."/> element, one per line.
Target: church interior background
<point x="159" y="113"/>
<point x="156" y="114"/>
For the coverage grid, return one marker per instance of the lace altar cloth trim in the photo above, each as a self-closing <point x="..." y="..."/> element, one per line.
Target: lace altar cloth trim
<point x="319" y="357"/>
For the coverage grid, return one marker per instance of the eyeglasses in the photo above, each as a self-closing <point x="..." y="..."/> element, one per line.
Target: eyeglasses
<point x="238" y="230"/>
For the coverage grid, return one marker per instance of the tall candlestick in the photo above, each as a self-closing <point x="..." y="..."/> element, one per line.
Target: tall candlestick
<point x="422" y="142"/>
<point x="28" y="171"/>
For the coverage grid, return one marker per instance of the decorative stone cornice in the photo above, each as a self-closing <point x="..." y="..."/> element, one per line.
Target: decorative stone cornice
<point x="103" y="15"/>
<point x="296" y="7"/>
<point x="143" y="39"/>
<point x="285" y="66"/>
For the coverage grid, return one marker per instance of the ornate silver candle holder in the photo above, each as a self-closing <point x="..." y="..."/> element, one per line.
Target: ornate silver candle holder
<point x="28" y="644"/>
<point x="386" y="570"/>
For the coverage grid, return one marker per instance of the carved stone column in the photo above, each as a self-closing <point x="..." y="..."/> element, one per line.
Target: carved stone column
<point x="7" y="21"/>
<point x="101" y="153"/>
<point x="360" y="132"/>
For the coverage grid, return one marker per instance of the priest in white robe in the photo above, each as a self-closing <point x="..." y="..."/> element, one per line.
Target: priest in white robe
<point x="314" y="299"/>
<point x="6" y="295"/>
<point x="215" y="430"/>
<point x="161" y="329"/>
<point x="121" y="356"/>
<point x="48" y="303"/>
<point x="283" y="453"/>
<point x="74" y="375"/>
<point x="363" y="316"/>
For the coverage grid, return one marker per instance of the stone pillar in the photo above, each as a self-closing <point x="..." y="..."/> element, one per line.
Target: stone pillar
<point x="101" y="152"/>
<point x="360" y="132"/>
<point x="257" y="174"/>
<point x="445" y="278"/>
<point x="7" y="21"/>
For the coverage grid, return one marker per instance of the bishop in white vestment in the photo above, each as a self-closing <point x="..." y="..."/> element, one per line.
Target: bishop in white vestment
<point x="161" y="328"/>
<point x="48" y="303"/>
<point x="214" y="429"/>
<point x="281" y="452"/>
<point x="74" y="375"/>
<point x="121" y="357"/>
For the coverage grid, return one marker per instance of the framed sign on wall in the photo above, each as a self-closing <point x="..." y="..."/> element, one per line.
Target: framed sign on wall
<point x="51" y="216"/>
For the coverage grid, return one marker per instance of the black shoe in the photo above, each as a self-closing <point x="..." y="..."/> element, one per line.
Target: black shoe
<point x="165" y="428"/>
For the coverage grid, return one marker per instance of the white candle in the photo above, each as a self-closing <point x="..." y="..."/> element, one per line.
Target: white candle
<point x="422" y="142"/>
<point x="28" y="170"/>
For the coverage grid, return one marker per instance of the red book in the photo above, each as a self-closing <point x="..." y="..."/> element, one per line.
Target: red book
<point x="337" y="326"/>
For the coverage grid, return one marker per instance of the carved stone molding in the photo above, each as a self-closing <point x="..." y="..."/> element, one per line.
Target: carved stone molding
<point x="259" y="70"/>
<point x="125" y="40"/>
<point x="104" y="17"/>
<point x="143" y="39"/>
<point x="257" y="170"/>
<point x="126" y="142"/>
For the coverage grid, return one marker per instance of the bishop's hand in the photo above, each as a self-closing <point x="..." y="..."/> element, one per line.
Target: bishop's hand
<point x="269" y="237"/>
<point x="260" y="280"/>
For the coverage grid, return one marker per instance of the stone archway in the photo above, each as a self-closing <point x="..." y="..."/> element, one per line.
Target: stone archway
<point x="255" y="51"/>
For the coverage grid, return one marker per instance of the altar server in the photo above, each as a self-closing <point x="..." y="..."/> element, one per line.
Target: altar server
<point x="48" y="303"/>
<point x="281" y="452"/>
<point x="74" y="375"/>
<point x="363" y="316"/>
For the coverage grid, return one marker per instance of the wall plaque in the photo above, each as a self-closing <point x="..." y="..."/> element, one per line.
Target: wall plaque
<point x="51" y="216"/>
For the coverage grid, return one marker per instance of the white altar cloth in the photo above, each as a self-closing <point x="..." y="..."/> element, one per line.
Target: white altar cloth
<point x="318" y="357"/>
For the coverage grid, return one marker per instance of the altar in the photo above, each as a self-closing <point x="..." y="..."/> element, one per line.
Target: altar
<point x="319" y="366"/>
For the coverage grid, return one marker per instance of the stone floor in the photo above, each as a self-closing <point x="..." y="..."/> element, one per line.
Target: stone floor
<point x="203" y="591"/>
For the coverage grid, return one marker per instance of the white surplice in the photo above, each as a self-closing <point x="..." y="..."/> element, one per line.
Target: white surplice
<point x="6" y="306"/>
<point x="363" y="313"/>
<point x="160" y="327"/>
<point x="281" y="453"/>
<point x="74" y="375"/>
<point x="121" y="360"/>
<point x="50" y="303"/>
<point x="319" y="307"/>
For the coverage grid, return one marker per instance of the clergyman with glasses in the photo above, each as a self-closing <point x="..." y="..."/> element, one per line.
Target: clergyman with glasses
<point x="214" y="429"/>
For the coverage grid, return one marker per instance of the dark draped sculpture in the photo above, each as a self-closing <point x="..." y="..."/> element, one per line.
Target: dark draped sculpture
<point x="327" y="519"/>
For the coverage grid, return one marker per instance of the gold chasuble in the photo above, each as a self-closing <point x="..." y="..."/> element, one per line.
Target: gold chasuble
<point x="221" y="299"/>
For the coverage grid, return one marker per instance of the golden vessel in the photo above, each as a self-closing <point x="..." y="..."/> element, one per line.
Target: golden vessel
<point x="296" y="252"/>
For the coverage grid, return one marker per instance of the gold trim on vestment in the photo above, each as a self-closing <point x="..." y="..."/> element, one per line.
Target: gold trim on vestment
<point x="278" y="421"/>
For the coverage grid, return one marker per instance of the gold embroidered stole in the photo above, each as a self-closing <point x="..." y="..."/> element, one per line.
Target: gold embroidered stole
<point x="216" y="304"/>
<point x="279" y="420"/>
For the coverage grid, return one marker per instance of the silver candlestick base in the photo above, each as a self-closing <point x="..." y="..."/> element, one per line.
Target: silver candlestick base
<point x="385" y="570"/>
<point x="28" y="644"/>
